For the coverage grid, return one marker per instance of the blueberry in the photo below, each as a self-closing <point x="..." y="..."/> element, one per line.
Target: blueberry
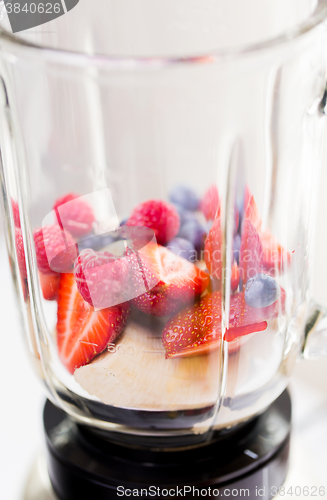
<point x="236" y="220"/>
<point x="184" y="215"/>
<point x="123" y="222"/>
<point x="185" y="197"/>
<point x="183" y="248"/>
<point x="194" y="232"/>
<point x="237" y="248"/>
<point x="96" y="242"/>
<point x="261" y="291"/>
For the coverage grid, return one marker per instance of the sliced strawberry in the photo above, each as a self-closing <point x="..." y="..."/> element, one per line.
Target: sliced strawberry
<point x="274" y="255"/>
<point x="82" y="332"/>
<point x="212" y="249"/>
<point x="235" y="279"/>
<point x="180" y="282"/>
<point x="15" y="212"/>
<point x="250" y="251"/>
<point x="213" y="254"/>
<point x="244" y="319"/>
<point x="197" y="329"/>
<point x="49" y="285"/>
<point x="252" y="212"/>
<point x="251" y="247"/>
<point x="194" y="330"/>
<point x="210" y="202"/>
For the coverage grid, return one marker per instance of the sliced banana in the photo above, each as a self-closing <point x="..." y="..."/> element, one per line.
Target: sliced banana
<point x="135" y="374"/>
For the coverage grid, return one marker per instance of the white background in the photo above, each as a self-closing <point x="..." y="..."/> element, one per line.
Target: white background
<point x="22" y="395"/>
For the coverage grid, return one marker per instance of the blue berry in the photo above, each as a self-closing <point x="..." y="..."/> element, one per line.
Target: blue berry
<point x="183" y="248"/>
<point x="236" y="220"/>
<point x="194" y="232"/>
<point x="185" y="197"/>
<point x="236" y="248"/>
<point x="184" y="215"/>
<point x="261" y="291"/>
<point x="123" y="222"/>
<point x="96" y="242"/>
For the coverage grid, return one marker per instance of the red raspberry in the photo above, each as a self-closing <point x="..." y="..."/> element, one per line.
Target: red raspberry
<point x="55" y="250"/>
<point x="15" y="212"/>
<point x="101" y="278"/>
<point x="74" y="215"/>
<point x="210" y="202"/>
<point x="20" y="252"/>
<point x="159" y="216"/>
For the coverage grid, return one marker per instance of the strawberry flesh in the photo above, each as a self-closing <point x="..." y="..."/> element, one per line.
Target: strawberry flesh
<point x="49" y="285"/>
<point x="259" y="250"/>
<point x="250" y="252"/>
<point x="244" y="319"/>
<point x="179" y="282"/>
<point x="274" y="255"/>
<point x="212" y="249"/>
<point x="197" y="329"/>
<point x="82" y="332"/>
<point x="235" y="278"/>
<point x="210" y="203"/>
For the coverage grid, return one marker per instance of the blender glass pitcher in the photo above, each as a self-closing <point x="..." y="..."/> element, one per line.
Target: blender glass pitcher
<point x="159" y="168"/>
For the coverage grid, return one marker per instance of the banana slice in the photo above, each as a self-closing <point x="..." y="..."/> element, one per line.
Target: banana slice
<point x="134" y="373"/>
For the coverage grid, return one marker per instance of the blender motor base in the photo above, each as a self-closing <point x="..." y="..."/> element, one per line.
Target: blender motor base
<point x="252" y="465"/>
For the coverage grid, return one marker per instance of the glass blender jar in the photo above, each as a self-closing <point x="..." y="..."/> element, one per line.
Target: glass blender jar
<point x="159" y="167"/>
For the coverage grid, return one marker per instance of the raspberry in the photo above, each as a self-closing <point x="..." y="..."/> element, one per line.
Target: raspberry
<point x="15" y="212"/>
<point x="102" y="278"/>
<point x="159" y="216"/>
<point x="210" y="202"/>
<point x="74" y="214"/>
<point x="55" y="250"/>
<point x="20" y="252"/>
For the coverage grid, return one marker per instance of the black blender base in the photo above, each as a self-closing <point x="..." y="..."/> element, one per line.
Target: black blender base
<point x="250" y="465"/>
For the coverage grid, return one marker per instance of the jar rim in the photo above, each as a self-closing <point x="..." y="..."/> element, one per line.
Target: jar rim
<point x="125" y="62"/>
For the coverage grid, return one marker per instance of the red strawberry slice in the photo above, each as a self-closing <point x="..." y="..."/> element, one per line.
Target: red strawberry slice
<point x="244" y="319"/>
<point x="210" y="203"/>
<point x="250" y="251"/>
<point x="213" y="254"/>
<point x="269" y="255"/>
<point x="49" y="285"/>
<point x="274" y="255"/>
<point x="180" y="282"/>
<point x="212" y="249"/>
<point x="15" y="212"/>
<point x="197" y="329"/>
<point x="252" y="212"/>
<point x="82" y="332"/>
<point x="235" y="278"/>
<point x="251" y="248"/>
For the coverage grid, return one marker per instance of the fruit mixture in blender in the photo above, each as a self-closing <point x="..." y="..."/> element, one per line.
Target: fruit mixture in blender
<point x="161" y="291"/>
